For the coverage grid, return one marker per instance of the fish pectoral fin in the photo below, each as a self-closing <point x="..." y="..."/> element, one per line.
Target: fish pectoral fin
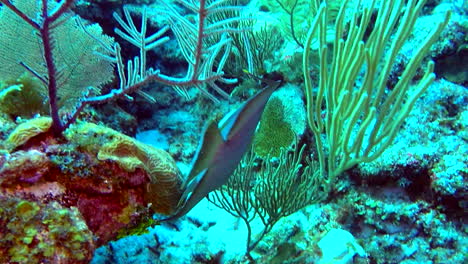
<point x="209" y="145"/>
<point x="190" y="189"/>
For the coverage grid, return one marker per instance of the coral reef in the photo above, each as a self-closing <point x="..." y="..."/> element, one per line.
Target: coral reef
<point x="32" y="232"/>
<point x="408" y="206"/>
<point x="27" y="130"/>
<point x="89" y="194"/>
<point x="163" y="190"/>
<point x="99" y="181"/>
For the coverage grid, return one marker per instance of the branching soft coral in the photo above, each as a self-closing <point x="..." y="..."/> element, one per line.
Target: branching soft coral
<point x="195" y="36"/>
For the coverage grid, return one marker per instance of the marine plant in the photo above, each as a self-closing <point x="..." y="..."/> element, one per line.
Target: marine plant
<point x="296" y="12"/>
<point x="59" y="54"/>
<point x="252" y="49"/>
<point x="354" y="120"/>
<point x="123" y="178"/>
<point x="269" y="191"/>
<point x="193" y="34"/>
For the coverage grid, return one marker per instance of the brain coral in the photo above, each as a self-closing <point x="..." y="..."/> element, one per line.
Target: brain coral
<point x="165" y="188"/>
<point x="25" y="131"/>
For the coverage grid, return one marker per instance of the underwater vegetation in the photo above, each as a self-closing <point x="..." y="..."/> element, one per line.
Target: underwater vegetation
<point x="317" y="130"/>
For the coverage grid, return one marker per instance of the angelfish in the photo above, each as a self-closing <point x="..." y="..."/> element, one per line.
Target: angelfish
<point x="221" y="149"/>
